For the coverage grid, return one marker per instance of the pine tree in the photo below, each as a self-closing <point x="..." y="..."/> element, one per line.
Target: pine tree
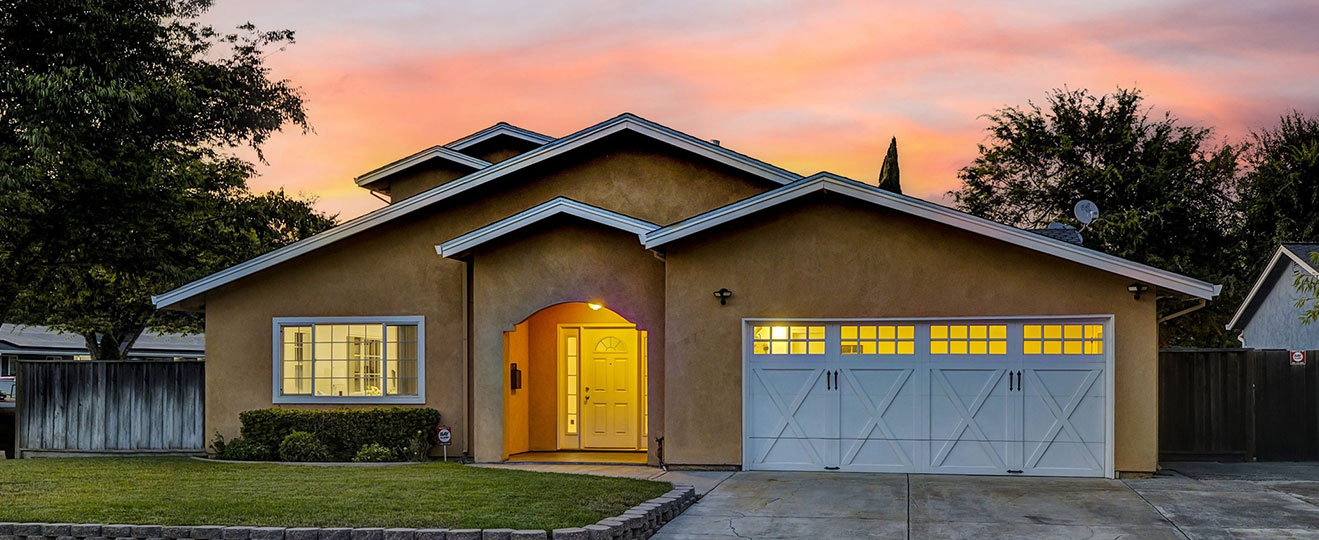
<point x="888" y="172"/>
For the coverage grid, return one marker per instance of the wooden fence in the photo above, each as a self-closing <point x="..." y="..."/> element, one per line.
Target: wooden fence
<point x="130" y="406"/>
<point x="1238" y="404"/>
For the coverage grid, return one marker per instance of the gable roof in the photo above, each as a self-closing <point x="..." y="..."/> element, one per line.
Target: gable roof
<point x="500" y="129"/>
<point x="463" y="244"/>
<point x="434" y="152"/>
<point x="836" y="184"/>
<point x="623" y="122"/>
<point x="1289" y="252"/>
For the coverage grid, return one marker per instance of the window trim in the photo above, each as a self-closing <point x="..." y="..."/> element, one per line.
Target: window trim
<point x="277" y="367"/>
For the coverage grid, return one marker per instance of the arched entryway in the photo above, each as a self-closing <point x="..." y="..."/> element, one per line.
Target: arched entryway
<point x="576" y="376"/>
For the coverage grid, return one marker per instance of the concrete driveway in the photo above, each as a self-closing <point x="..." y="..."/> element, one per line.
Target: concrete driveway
<point x="1173" y="505"/>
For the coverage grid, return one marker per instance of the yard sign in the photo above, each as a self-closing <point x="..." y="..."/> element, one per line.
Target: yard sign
<point x="1298" y="357"/>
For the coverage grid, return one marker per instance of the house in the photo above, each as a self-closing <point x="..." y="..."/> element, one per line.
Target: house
<point x="41" y="343"/>
<point x="633" y="288"/>
<point x="1269" y="318"/>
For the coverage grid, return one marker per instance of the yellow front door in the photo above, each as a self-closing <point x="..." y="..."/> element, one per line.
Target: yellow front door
<point x="609" y="388"/>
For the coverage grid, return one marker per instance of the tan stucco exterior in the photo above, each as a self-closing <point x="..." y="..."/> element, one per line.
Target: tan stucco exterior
<point x="393" y="270"/>
<point x="831" y="256"/>
<point x="823" y="256"/>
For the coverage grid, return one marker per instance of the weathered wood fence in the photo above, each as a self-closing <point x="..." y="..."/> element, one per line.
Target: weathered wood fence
<point x="1238" y="404"/>
<point x="130" y="406"/>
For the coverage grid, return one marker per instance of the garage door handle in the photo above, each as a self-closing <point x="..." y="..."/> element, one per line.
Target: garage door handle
<point x="828" y="383"/>
<point x="1009" y="381"/>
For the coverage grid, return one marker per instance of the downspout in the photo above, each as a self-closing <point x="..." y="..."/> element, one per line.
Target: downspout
<point x="467" y="352"/>
<point x="1171" y="316"/>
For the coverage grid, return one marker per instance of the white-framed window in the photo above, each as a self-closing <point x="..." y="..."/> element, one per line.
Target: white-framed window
<point x="349" y="359"/>
<point x="8" y="366"/>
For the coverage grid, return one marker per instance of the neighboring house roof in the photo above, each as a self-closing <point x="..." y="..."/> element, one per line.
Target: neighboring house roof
<point x="558" y="206"/>
<point x="1286" y="253"/>
<point x="928" y="210"/>
<point x="1066" y="234"/>
<point x="500" y="129"/>
<point x="15" y="339"/>
<point x="623" y="122"/>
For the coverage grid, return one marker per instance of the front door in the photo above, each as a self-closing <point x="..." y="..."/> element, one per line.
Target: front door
<point x="609" y="388"/>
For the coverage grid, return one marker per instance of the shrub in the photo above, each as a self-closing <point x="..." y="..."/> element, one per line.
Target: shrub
<point x="374" y="453"/>
<point x="302" y="446"/>
<point x="239" y="449"/>
<point x="344" y="431"/>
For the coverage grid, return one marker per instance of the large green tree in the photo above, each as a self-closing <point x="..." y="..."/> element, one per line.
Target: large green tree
<point x="118" y="125"/>
<point x="1164" y="189"/>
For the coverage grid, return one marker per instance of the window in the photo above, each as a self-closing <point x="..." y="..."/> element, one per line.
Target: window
<point x="570" y="359"/>
<point x="8" y="366"/>
<point x="969" y="339"/>
<point x="331" y="359"/>
<point x="878" y="339"/>
<point x="784" y="339"/>
<point x="1062" y="339"/>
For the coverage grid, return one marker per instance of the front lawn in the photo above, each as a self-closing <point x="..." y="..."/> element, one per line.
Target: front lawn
<point x="183" y="491"/>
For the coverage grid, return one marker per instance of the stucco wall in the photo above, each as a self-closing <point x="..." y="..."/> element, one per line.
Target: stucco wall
<point x="421" y="178"/>
<point x="829" y="256"/>
<point x="566" y="260"/>
<point x="393" y="269"/>
<point x="499" y="148"/>
<point x="1276" y="322"/>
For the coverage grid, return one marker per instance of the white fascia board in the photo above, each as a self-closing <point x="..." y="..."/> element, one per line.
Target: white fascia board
<point x="1263" y="277"/>
<point x="558" y="206"/>
<point x="1301" y="261"/>
<point x="496" y="130"/>
<point x="925" y="209"/>
<point x="419" y="157"/>
<point x="626" y="121"/>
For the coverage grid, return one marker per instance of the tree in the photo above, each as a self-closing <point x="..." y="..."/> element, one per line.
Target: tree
<point x="1308" y="286"/>
<point x="1279" y="195"/>
<point x="1165" y="190"/>
<point x="117" y="123"/>
<point x="888" y="172"/>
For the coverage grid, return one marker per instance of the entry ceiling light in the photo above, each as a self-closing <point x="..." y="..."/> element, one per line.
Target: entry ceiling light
<point x="594" y="306"/>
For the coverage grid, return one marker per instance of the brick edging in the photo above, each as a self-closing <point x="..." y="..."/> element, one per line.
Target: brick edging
<point x="639" y="522"/>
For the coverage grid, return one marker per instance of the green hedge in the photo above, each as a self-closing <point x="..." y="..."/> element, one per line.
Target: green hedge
<point x="344" y="431"/>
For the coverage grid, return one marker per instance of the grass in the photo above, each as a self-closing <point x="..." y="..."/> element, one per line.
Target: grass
<point x="183" y="491"/>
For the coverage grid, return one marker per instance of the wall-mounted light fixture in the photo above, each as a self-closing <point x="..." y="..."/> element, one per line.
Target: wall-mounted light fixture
<point x="1137" y="288"/>
<point x="514" y="377"/>
<point x="722" y="294"/>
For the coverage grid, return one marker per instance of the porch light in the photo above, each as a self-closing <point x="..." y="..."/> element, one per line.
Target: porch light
<point x="722" y="294"/>
<point x="594" y="306"/>
<point x="1137" y="288"/>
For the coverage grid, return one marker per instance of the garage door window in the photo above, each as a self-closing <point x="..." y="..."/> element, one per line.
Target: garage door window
<point x="784" y="339"/>
<point x="879" y="339"/>
<point x="1062" y="339"/>
<point x="969" y="339"/>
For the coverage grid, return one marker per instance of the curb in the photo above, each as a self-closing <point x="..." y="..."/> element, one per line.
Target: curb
<point x="639" y="522"/>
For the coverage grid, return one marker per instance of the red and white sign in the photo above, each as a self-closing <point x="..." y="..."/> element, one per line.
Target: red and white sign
<point x="445" y="436"/>
<point x="1298" y="357"/>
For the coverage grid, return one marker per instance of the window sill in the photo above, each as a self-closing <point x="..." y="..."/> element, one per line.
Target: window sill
<point x="353" y="400"/>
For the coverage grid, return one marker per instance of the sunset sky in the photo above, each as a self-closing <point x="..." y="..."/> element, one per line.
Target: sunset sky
<point x="806" y="85"/>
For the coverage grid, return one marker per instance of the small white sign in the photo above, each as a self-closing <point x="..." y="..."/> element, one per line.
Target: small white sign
<point x="445" y="436"/>
<point x="1298" y="358"/>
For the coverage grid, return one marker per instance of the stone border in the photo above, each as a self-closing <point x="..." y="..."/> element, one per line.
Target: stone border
<point x="638" y="523"/>
<point x="312" y="463"/>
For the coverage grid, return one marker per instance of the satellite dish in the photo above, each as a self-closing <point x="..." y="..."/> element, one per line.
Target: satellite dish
<point x="1086" y="211"/>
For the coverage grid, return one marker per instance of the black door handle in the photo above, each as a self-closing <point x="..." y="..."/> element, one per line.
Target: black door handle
<point x="828" y="384"/>
<point x="1009" y="381"/>
<point x="835" y="379"/>
<point x="1019" y="381"/>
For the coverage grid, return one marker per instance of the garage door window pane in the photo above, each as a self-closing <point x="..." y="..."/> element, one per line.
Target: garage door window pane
<point x="969" y="339"/>
<point x="1067" y="339"/>
<point x="877" y="339"/>
<point x="785" y="339"/>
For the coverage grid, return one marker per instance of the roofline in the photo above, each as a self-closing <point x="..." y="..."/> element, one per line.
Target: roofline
<point x="1263" y="276"/>
<point x="463" y="244"/>
<point x="416" y="159"/>
<point x="925" y="209"/>
<point x="502" y="128"/>
<point x="625" y="121"/>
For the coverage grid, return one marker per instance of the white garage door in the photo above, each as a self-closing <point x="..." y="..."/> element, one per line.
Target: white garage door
<point x="998" y="396"/>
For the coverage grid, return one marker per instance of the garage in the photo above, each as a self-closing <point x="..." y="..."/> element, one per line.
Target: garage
<point x="988" y="396"/>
